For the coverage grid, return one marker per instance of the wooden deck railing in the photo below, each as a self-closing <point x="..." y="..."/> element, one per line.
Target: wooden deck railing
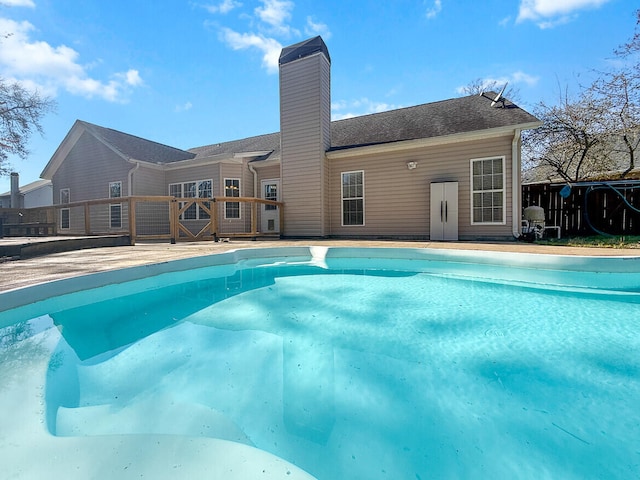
<point x="146" y="217"/>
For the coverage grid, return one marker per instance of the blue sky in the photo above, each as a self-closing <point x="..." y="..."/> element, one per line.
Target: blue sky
<point x="191" y="73"/>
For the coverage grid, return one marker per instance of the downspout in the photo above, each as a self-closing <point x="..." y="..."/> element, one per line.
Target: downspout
<point x="255" y="179"/>
<point x="515" y="182"/>
<point x="130" y="177"/>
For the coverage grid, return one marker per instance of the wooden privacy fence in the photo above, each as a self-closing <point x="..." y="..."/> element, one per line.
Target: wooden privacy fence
<point x="588" y="208"/>
<point x="147" y="218"/>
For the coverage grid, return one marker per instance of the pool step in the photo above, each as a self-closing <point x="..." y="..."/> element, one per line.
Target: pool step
<point x="148" y="416"/>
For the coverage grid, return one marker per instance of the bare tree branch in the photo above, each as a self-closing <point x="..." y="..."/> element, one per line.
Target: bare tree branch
<point x="20" y="114"/>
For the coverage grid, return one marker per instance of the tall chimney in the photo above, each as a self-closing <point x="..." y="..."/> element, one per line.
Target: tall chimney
<point x="305" y="136"/>
<point x="15" y="190"/>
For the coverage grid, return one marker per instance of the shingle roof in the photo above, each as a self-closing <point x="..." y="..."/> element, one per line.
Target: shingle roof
<point x="447" y="117"/>
<point x="29" y="187"/>
<point x="260" y="143"/>
<point x="430" y="120"/>
<point x="137" y="148"/>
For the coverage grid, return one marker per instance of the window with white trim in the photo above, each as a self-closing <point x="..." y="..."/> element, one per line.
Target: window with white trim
<point x="193" y="189"/>
<point x="115" y="209"/>
<point x="65" y="213"/>
<point x="353" y="198"/>
<point x="65" y="218"/>
<point x="232" y="189"/>
<point x="488" y="191"/>
<point x="65" y="195"/>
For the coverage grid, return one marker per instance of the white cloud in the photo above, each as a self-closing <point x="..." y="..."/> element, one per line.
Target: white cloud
<point x="18" y="3"/>
<point x="433" y="11"/>
<point x="276" y="13"/>
<point x="521" y="77"/>
<point x="269" y="47"/>
<point x="358" y="107"/>
<point x="133" y="78"/>
<point x="50" y="68"/>
<point x="317" y="28"/>
<point x="550" y="13"/>
<point x="185" y="107"/>
<point x="223" y="7"/>
<point x="495" y="83"/>
<point x="269" y="22"/>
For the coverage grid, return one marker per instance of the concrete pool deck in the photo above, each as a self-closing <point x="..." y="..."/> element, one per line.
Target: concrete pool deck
<point x="31" y="271"/>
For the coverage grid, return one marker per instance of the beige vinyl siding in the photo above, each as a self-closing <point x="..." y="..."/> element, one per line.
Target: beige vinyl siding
<point x="267" y="173"/>
<point x="88" y="169"/>
<point x="305" y="123"/>
<point x="149" y="181"/>
<point x="397" y="199"/>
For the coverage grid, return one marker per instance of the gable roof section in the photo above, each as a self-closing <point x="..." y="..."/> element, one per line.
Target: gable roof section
<point x="131" y="147"/>
<point x="127" y="146"/>
<point x="448" y="117"/>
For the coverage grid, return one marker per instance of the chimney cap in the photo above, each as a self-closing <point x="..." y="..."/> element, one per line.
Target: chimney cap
<point x="302" y="49"/>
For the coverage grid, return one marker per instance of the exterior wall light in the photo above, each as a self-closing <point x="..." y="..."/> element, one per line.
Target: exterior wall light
<point x="412" y="165"/>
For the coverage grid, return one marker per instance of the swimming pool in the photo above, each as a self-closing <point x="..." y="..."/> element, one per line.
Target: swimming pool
<point x="341" y="363"/>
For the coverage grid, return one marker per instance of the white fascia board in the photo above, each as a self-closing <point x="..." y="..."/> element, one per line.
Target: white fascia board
<point x="429" y="142"/>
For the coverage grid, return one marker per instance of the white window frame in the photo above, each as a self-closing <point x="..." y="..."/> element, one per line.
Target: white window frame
<point x="502" y="190"/>
<point x="343" y="199"/>
<point x="65" y="213"/>
<point x="199" y="213"/>
<point x="66" y="192"/>
<point x="113" y="207"/>
<point x="65" y="218"/>
<point x="224" y="186"/>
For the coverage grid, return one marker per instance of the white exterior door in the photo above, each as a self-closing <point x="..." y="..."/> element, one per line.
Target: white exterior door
<point x="444" y="211"/>
<point x="270" y="214"/>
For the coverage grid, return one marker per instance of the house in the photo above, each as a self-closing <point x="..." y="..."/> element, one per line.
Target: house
<point x="442" y="171"/>
<point x="34" y="194"/>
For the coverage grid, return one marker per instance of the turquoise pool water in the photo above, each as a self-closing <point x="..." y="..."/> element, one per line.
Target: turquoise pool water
<point x="356" y="364"/>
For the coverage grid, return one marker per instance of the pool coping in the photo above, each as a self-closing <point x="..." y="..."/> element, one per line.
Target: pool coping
<point x="24" y="296"/>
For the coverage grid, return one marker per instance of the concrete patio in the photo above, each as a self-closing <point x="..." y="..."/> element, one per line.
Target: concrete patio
<point x="44" y="268"/>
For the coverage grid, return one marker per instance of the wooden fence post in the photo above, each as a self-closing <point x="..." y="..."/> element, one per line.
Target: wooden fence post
<point x="214" y="219"/>
<point x="254" y="217"/>
<point x="87" y="219"/>
<point x="132" y="221"/>
<point x="173" y="220"/>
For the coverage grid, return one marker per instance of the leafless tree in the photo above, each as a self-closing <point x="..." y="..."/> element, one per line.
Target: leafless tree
<point x="620" y="89"/>
<point x="594" y="133"/>
<point x="21" y="111"/>
<point x="569" y="143"/>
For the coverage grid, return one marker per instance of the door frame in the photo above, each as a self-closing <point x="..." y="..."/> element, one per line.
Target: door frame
<point x="268" y="215"/>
